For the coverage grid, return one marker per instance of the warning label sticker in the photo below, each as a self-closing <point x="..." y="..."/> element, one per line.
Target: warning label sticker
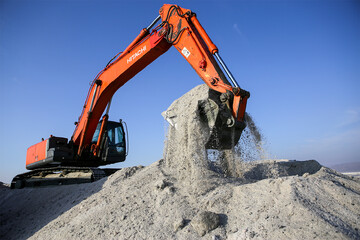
<point x="185" y="52"/>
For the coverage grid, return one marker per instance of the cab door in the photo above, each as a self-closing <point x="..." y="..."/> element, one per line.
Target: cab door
<point x="115" y="143"/>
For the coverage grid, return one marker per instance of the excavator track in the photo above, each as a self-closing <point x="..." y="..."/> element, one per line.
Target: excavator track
<point x="60" y="176"/>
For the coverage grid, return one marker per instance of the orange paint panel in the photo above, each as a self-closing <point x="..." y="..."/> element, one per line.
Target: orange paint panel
<point x="212" y="48"/>
<point x="36" y="152"/>
<point x="239" y="107"/>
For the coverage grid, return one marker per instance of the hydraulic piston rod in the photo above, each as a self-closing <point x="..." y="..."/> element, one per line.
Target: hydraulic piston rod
<point x="153" y="23"/>
<point x="226" y="70"/>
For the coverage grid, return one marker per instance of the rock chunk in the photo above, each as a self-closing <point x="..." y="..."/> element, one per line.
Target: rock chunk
<point x="179" y="224"/>
<point x="205" y="221"/>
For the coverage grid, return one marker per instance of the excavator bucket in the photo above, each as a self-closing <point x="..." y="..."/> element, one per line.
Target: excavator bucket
<point x="225" y="130"/>
<point x="221" y="129"/>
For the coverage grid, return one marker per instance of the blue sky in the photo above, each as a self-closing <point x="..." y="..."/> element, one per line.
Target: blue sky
<point x="299" y="59"/>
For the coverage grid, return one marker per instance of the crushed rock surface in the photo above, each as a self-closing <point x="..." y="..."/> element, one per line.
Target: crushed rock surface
<point x="149" y="203"/>
<point x="184" y="196"/>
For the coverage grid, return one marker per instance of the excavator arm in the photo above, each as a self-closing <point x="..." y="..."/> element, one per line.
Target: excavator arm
<point x="179" y="28"/>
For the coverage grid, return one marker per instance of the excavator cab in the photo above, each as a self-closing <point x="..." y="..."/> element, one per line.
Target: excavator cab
<point x="113" y="147"/>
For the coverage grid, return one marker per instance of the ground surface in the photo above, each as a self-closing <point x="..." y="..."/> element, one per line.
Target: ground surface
<point x="291" y="199"/>
<point x="186" y="196"/>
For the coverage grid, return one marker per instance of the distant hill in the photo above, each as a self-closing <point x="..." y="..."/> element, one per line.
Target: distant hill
<point x="4" y="185"/>
<point x="347" y="167"/>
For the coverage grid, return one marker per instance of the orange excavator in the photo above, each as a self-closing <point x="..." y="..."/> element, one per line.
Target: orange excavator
<point x="97" y="141"/>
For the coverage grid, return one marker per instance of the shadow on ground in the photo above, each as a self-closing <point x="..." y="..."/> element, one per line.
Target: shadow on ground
<point x="25" y="211"/>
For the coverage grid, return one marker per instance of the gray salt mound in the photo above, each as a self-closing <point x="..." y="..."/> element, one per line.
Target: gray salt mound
<point x="266" y="169"/>
<point x="182" y="197"/>
<point x="150" y="203"/>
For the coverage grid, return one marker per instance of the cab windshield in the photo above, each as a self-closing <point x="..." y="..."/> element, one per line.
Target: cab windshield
<point x="115" y="134"/>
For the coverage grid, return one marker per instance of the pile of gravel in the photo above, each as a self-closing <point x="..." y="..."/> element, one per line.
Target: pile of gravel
<point x="187" y="196"/>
